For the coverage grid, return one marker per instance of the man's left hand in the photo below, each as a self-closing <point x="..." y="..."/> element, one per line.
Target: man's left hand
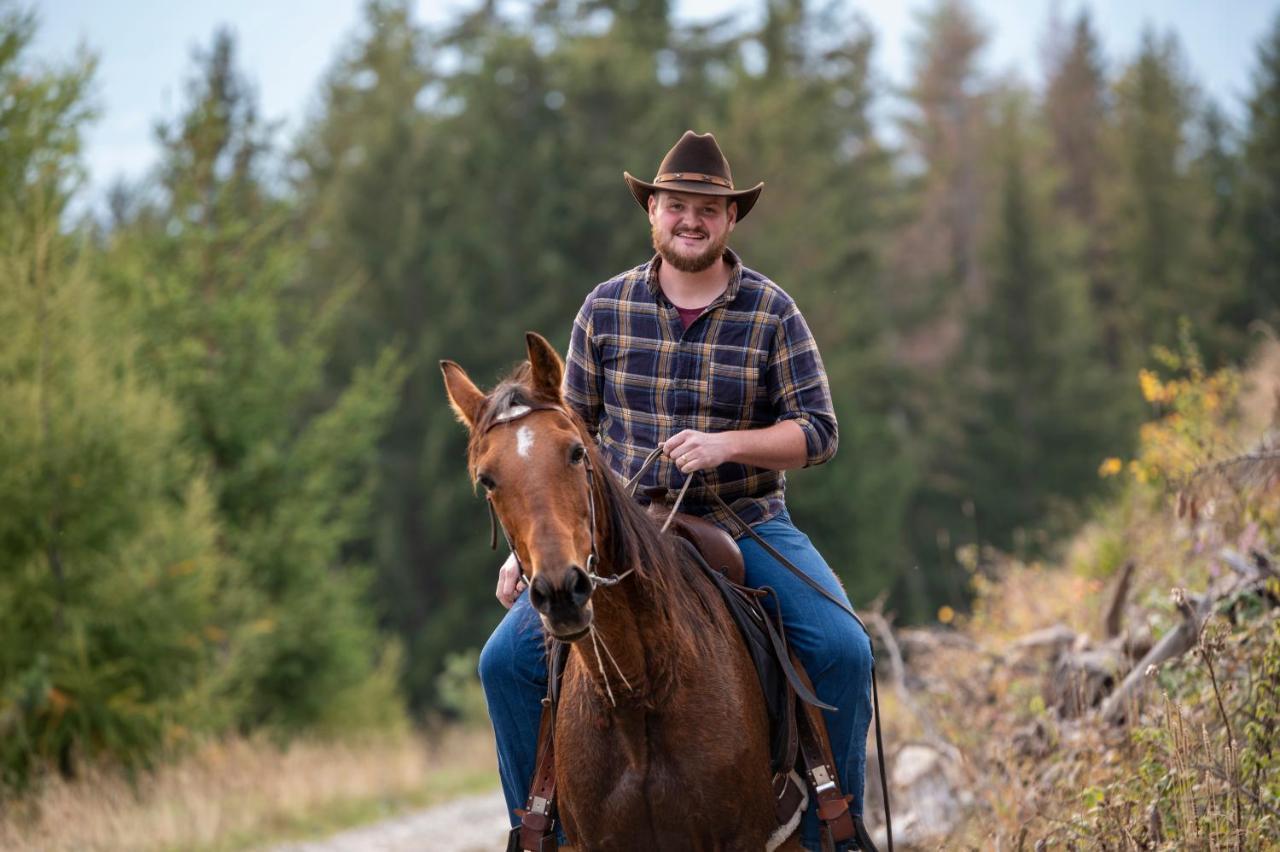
<point x="693" y="450"/>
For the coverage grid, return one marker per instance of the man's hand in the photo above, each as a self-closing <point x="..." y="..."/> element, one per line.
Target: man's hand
<point x="693" y="450"/>
<point x="510" y="583"/>
<point x="781" y="446"/>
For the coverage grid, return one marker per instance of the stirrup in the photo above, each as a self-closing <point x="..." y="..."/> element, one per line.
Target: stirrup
<point x="545" y="843"/>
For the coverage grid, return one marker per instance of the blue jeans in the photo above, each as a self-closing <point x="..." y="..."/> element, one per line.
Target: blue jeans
<point x="831" y="645"/>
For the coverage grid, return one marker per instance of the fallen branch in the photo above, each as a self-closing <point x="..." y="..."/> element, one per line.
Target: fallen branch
<point x="1175" y="643"/>
<point x="1260" y="567"/>
<point x="1115" y="611"/>
<point x="1054" y="638"/>
<point x="897" y="669"/>
<point x="933" y="738"/>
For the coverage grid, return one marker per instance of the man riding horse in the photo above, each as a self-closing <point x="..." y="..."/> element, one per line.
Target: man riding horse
<point x="697" y="353"/>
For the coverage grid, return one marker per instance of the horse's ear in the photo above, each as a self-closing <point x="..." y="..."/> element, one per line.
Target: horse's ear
<point x="548" y="369"/>
<point x="467" y="399"/>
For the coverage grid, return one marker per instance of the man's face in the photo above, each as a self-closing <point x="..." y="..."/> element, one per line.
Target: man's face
<point x="690" y="231"/>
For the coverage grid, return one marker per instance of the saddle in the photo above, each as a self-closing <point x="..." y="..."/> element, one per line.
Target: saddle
<point x="717" y="547"/>
<point x="798" y="733"/>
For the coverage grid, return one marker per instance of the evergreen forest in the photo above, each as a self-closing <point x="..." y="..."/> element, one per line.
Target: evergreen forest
<point x="233" y="497"/>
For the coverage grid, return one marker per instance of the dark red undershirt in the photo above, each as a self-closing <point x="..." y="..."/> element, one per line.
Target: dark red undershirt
<point x="688" y="315"/>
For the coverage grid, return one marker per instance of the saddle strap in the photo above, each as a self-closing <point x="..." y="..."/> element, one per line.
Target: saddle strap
<point x="833" y="805"/>
<point x="537" y="829"/>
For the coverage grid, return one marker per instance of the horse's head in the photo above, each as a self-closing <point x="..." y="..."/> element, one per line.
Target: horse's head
<point x="531" y="457"/>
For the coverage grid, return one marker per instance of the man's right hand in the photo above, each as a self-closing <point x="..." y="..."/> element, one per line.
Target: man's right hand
<point x="510" y="583"/>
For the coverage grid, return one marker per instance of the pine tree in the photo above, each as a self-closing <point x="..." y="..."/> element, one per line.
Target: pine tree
<point x="1156" y="203"/>
<point x="940" y="250"/>
<point x="818" y="233"/>
<point x="467" y="205"/>
<point x="1077" y="111"/>
<point x="938" y="274"/>
<point x="210" y="272"/>
<point x="1035" y="432"/>
<point x="1219" y="167"/>
<point x="116" y="640"/>
<point x="1260" y="186"/>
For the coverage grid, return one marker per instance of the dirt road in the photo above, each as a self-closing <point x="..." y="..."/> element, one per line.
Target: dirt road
<point x="469" y="824"/>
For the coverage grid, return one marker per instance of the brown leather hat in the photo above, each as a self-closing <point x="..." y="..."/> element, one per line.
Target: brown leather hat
<point x="695" y="164"/>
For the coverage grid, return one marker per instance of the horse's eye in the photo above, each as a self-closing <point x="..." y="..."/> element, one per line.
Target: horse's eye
<point x="577" y="454"/>
<point x="486" y="481"/>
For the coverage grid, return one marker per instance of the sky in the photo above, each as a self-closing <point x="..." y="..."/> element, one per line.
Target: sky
<point x="145" y="47"/>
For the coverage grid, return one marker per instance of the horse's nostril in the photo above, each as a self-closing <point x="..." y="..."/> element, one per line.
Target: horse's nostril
<point x="580" y="586"/>
<point x="539" y="594"/>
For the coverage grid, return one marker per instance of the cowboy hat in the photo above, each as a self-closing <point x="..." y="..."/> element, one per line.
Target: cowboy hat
<point x="695" y="164"/>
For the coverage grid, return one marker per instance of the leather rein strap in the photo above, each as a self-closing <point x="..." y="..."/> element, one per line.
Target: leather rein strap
<point x="537" y="829"/>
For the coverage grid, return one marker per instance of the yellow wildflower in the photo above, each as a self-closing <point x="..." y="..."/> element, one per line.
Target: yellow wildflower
<point x="1152" y="389"/>
<point x="1110" y="467"/>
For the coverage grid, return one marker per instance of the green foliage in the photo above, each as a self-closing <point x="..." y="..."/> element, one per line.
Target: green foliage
<point x="114" y="640"/>
<point x="471" y="204"/>
<point x="458" y="686"/>
<point x="1260" y="186"/>
<point x="210" y="274"/>
<point x="1158" y="206"/>
<point x="1259" y="754"/>
<point x="41" y="121"/>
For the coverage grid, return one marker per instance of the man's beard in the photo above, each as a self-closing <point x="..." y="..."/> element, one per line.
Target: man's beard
<point x="683" y="262"/>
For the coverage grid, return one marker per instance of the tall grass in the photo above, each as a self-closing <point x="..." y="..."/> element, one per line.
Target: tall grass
<point x="243" y="793"/>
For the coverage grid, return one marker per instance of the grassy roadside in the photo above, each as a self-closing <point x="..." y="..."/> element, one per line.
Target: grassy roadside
<point x="243" y="794"/>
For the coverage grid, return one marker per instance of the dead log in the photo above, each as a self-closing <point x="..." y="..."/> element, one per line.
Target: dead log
<point x="1080" y="681"/>
<point x="1195" y="609"/>
<point x="1052" y="640"/>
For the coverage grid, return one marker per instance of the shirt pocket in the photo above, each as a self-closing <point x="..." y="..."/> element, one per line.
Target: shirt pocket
<point x="735" y="387"/>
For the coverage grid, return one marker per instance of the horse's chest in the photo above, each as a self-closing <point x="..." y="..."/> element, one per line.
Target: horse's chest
<point x="644" y="778"/>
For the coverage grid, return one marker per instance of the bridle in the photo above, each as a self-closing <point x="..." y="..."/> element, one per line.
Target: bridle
<point x="517" y="412"/>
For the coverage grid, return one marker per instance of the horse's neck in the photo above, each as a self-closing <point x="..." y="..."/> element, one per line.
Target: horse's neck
<point x="626" y="658"/>
<point x="616" y="654"/>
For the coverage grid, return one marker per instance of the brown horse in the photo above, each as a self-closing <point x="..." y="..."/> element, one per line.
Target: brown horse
<point x="662" y="733"/>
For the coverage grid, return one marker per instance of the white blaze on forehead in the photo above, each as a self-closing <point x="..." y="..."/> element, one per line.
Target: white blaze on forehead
<point x="524" y="441"/>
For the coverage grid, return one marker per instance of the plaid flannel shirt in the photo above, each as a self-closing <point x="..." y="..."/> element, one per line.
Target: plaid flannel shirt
<point x="637" y="377"/>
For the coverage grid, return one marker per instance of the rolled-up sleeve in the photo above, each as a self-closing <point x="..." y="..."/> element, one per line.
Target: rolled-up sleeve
<point x="582" y="375"/>
<point x="798" y="386"/>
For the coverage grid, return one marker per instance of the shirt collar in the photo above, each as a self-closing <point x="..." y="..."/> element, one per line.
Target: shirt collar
<point x="730" y="293"/>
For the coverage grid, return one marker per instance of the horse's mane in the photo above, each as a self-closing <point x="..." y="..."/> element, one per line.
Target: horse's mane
<point x="674" y="584"/>
<point x="676" y="589"/>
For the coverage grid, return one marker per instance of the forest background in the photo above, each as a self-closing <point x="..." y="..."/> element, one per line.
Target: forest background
<point x="231" y="495"/>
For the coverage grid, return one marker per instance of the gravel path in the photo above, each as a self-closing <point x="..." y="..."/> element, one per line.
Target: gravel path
<point x="463" y="825"/>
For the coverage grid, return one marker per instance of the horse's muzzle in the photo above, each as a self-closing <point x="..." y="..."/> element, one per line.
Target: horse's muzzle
<point x="564" y="604"/>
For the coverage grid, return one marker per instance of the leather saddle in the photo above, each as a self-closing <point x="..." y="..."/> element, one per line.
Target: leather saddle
<point x="716" y="546"/>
